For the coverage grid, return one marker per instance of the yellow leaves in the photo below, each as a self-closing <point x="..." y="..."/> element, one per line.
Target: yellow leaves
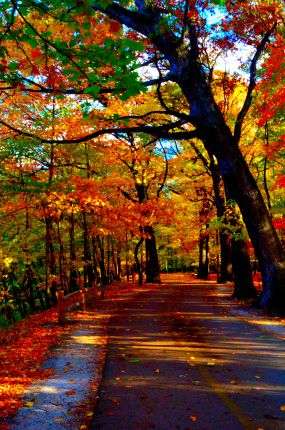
<point x="59" y="420"/>
<point x="7" y="262"/>
<point x="90" y="414"/>
<point x="29" y="404"/>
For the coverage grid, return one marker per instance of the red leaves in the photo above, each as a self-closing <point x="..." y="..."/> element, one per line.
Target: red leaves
<point x="35" y="53"/>
<point x="115" y="27"/>
<point x="23" y="348"/>
<point x="279" y="223"/>
<point x="70" y="392"/>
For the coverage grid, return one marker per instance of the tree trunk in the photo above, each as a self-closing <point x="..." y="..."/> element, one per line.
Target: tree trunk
<point x="88" y="267"/>
<point x="224" y="239"/>
<point x="152" y="263"/>
<point x="50" y="262"/>
<point x="203" y="269"/>
<point x="137" y="260"/>
<point x="226" y="273"/>
<point x="104" y="278"/>
<point x="243" y="283"/>
<point x="73" y="272"/>
<point x="95" y="259"/>
<point x="237" y="177"/>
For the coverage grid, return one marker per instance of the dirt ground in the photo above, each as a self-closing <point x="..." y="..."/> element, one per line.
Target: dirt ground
<point x="176" y="356"/>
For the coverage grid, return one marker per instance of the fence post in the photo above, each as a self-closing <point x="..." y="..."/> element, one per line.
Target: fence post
<point x="61" y="312"/>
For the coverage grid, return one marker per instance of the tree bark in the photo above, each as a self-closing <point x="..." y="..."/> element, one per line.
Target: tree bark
<point x="243" y="283"/>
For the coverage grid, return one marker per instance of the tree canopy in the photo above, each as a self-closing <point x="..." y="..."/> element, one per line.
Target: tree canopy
<point x="131" y="122"/>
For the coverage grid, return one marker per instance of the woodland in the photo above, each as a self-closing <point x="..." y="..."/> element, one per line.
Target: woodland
<point x="139" y="137"/>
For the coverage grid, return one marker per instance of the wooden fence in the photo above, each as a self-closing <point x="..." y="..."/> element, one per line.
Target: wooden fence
<point x="75" y="300"/>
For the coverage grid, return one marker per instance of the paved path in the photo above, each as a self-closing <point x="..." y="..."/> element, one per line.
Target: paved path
<point x="177" y="360"/>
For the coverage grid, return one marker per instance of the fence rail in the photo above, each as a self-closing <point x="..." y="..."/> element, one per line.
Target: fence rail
<point x="75" y="300"/>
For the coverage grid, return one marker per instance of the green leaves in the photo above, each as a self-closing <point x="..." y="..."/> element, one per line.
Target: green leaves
<point x="93" y="90"/>
<point x="219" y="2"/>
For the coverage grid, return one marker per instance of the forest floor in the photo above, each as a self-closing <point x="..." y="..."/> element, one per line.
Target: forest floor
<point x="180" y="355"/>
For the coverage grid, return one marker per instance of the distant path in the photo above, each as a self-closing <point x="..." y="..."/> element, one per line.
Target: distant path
<point x="177" y="361"/>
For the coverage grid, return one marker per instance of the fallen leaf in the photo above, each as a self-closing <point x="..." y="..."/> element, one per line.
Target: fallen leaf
<point x="157" y="370"/>
<point x="135" y="360"/>
<point x="70" y="392"/>
<point x="83" y="427"/>
<point x="90" y="414"/>
<point x="193" y="418"/>
<point x="29" y="404"/>
<point x="282" y="408"/>
<point x="59" y="420"/>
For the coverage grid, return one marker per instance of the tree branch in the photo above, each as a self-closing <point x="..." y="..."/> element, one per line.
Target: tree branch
<point x="252" y="83"/>
<point x="160" y="131"/>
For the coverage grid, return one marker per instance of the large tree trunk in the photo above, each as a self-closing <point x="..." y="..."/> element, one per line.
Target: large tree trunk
<point x="237" y="177"/>
<point x="243" y="283"/>
<point x="152" y="263"/>
<point x="235" y="260"/>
